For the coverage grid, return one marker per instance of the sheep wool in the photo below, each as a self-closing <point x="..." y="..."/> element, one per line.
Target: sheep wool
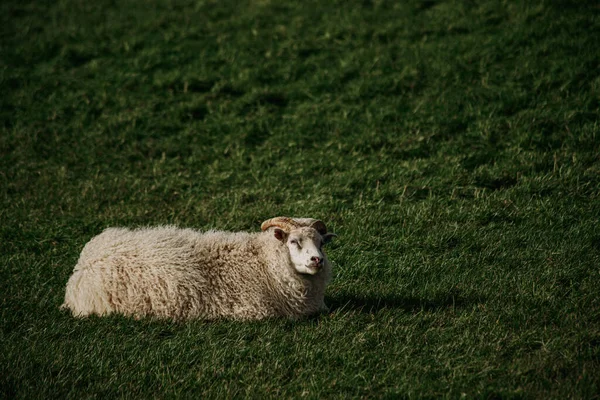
<point x="169" y="272"/>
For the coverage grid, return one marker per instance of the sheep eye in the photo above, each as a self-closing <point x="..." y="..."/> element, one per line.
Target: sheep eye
<point x="294" y="241"/>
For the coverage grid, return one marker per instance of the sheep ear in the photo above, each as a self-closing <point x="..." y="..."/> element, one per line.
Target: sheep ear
<point x="280" y="234"/>
<point x="328" y="237"/>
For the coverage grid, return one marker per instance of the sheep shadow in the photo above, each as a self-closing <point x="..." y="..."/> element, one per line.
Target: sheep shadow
<point x="369" y="304"/>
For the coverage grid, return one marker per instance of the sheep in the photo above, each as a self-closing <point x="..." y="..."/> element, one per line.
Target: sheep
<point x="180" y="274"/>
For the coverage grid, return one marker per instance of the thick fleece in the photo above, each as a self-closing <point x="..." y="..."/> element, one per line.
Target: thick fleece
<point x="179" y="274"/>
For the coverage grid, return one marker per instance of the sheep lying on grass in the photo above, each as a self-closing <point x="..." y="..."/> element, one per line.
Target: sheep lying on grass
<point x="168" y="272"/>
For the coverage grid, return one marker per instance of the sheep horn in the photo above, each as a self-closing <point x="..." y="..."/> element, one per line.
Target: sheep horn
<point x="288" y="224"/>
<point x="285" y="223"/>
<point x="319" y="226"/>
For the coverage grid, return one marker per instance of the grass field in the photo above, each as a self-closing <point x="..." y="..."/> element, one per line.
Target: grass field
<point x="452" y="145"/>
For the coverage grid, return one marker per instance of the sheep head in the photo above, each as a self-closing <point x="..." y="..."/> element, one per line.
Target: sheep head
<point x="304" y="238"/>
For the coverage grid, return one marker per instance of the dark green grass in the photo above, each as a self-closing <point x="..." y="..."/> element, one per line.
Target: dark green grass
<point x="453" y="146"/>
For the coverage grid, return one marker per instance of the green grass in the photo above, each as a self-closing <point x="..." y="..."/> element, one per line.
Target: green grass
<point x="452" y="145"/>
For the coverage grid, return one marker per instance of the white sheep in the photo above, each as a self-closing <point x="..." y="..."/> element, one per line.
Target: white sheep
<point x="168" y="272"/>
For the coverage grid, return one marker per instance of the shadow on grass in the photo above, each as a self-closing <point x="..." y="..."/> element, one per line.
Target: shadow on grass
<point x="369" y="304"/>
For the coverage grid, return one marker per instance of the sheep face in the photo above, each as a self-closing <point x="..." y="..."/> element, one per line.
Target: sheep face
<point x="305" y="248"/>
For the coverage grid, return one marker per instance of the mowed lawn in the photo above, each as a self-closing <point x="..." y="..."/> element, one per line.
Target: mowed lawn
<point x="452" y="145"/>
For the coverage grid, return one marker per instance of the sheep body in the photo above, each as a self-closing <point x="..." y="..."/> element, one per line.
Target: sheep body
<point x="168" y="272"/>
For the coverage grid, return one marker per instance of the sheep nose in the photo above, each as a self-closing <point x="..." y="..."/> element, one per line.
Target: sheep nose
<point x="316" y="260"/>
